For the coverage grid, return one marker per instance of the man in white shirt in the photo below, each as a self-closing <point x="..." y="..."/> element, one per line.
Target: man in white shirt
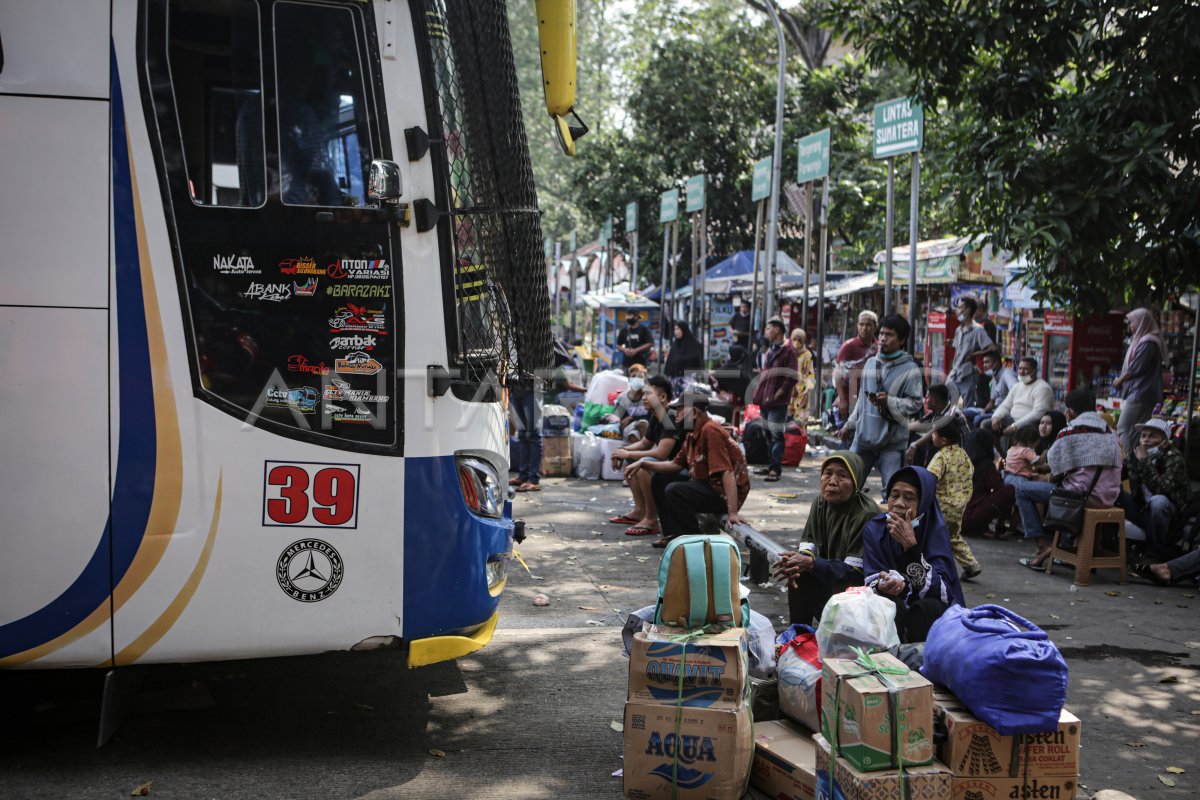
<point x="1026" y="402"/>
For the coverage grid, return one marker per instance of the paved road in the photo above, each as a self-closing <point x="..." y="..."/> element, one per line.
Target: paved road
<point x="528" y="717"/>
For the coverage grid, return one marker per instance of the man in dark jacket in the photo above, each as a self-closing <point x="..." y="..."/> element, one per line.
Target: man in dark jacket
<point x="774" y="392"/>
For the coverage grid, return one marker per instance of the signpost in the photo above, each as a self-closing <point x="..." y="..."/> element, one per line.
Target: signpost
<point x="812" y="164"/>
<point x="760" y="190"/>
<point x="695" y="207"/>
<point x="571" y="278"/>
<point x="668" y="216"/>
<point x="900" y="129"/>
<point x="631" y="215"/>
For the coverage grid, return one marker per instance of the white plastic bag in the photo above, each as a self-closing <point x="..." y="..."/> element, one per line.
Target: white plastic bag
<point x="799" y="685"/>
<point x="858" y="617"/>
<point x="603" y="384"/>
<point x="589" y="458"/>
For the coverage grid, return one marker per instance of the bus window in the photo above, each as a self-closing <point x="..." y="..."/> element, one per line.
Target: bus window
<point x="216" y="58"/>
<point x="324" y="138"/>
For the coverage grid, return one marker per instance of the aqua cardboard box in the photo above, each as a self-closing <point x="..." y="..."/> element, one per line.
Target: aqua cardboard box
<point x="877" y="718"/>
<point x="785" y="761"/>
<point x="713" y="666"/>
<point x="972" y="748"/>
<point x="705" y="753"/>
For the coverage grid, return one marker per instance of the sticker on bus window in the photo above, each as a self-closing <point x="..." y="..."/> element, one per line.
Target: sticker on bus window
<point x="308" y="495"/>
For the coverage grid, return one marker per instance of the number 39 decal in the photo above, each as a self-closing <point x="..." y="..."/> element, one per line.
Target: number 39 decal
<point x="307" y="495"/>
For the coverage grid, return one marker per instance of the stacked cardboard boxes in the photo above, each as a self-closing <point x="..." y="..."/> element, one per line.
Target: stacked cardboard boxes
<point x="988" y="766"/>
<point x="687" y="716"/>
<point x="785" y="761"/>
<point x="837" y="778"/>
<point x="556" y="456"/>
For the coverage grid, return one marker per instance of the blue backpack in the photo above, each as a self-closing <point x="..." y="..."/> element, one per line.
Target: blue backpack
<point x="698" y="584"/>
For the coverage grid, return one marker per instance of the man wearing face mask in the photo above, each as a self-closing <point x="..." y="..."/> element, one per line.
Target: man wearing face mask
<point x="634" y="340"/>
<point x="1002" y="380"/>
<point x="970" y="339"/>
<point x="1027" y="401"/>
<point x="1158" y="485"/>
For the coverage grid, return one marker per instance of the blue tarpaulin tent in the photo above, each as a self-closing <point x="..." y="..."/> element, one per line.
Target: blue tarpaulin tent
<point x="739" y="268"/>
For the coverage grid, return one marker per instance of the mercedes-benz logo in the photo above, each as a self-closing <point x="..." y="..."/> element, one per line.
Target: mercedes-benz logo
<point x="309" y="570"/>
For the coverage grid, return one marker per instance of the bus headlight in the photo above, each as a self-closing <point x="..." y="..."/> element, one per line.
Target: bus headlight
<point x="497" y="573"/>
<point x="480" y="486"/>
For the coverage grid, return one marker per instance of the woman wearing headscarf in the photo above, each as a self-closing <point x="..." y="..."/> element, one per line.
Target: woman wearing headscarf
<point x="798" y="409"/>
<point x="830" y="556"/>
<point x="992" y="500"/>
<point x="1140" y="380"/>
<point x="686" y="352"/>
<point x="907" y="557"/>
<point x="735" y="373"/>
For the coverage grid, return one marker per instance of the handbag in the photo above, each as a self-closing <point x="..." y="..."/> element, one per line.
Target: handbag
<point x="1064" y="511"/>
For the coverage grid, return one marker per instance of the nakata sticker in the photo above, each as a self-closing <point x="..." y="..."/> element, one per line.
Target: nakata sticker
<point x="310" y="495"/>
<point x="300" y="266"/>
<point x="354" y="342"/>
<point x="359" y="270"/>
<point x="358" y="318"/>
<point x="300" y="363"/>
<point x="271" y="292"/>
<point x="235" y="265"/>
<point x="357" y="364"/>
<point x="306" y="289"/>
<point x="360" y="290"/>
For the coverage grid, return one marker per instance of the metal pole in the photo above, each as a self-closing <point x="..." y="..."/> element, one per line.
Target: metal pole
<point x="758" y="218"/>
<point x="558" y="287"/>
<point x="823" y="258"/>
<point x="808" y="208"/>
<point x="1188" y="416"/>
<point x="671" y="269"/>
<point x="573" y="279"/>
<point x="777" y="161"/>
<point x="913" y="219"/>
<point x="704" y="321"/>
<point x="695" y="248"/>
<point x="633" y="275"/>
<point x="890" y="219"/>
<point x="662" y="296"/>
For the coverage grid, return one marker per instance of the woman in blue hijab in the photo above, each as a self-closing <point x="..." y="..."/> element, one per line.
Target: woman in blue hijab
<point x="907" y="557"/>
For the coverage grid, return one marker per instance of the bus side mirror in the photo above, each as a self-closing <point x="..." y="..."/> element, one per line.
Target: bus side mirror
<point x="383" y="182"/>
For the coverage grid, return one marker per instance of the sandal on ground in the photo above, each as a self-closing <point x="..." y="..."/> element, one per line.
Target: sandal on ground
<point x="771" y="477"/>
<point x="529" y="486"/>
<point x="638" y="530"/>
<point x="763" y="471"/>
<point x="624" y="519"/>
<point x="661" y="542"/>
<point x="516" y="481"/>
<point x="1033" y="562"/>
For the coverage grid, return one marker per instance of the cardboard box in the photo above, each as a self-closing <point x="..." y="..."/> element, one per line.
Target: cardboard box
<point x="973" y="748"/>
<point x="714" y="750"/>
<point x="1006" y="788"/>
<point x="837" y="779"/>
<point x="714" y="669"/>
<point x="556" y="467"/>
<point x="556" y="456"/>
<point x="785" y="761"/>
<point x="859" y="703"/>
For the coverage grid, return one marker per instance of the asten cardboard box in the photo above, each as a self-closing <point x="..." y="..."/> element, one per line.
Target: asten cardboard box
<point x="837" y="779"/>
<point x="878" y="715"/>
<point x="972" y="748"/>
<point x="785" y="761"/>
<point x="1031" y="788"/>
<point x="713" y="667"/>
<point x="707" y="759"/>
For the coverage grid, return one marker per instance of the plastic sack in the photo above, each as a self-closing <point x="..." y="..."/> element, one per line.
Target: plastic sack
<point x="799" y="674"/>
<point x="603" y="384"/>
<point x="858" y="617"/>
<point x="593" y="413"/>
<point x="1003" y="668"/>
<point x="588" y="458"/>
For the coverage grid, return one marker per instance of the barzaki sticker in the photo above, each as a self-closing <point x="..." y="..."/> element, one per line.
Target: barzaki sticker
<point x="357" y="364"/>
<point x="359" y="290"/>
<point x="300" y="266"/>
<point x="235" y="265"/>
<point x="359" y="270"/>
<point x="358" y="318"/>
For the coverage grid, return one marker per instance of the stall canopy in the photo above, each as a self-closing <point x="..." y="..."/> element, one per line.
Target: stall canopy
<point x="957" y="260"/>
<point x="838" y="288"/>
<point x="737" y="273"/>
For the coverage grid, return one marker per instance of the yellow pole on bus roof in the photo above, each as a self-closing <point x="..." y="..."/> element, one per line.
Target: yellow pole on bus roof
<point x="556" y="34"/>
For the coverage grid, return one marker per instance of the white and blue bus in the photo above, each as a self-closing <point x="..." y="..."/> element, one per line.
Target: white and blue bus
<point x="267" y="266"/>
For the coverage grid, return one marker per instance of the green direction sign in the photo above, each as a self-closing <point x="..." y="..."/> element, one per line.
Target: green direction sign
<point x="668" y="206"/>
<point x="813" y="157"/>
<point x="548" y="245"/>
<point x="761" y="188"/>
<point x="606" y="230"/>
<point x="899" y="128"/>
<point x="574" y="245"/>
<point x="695" y="193"/>
<point x="631" y="217"/>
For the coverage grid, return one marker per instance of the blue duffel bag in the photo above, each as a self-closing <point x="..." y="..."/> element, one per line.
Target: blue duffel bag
<point x="1003" y="668"/>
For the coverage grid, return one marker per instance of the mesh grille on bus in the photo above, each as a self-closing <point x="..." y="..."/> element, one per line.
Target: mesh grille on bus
<point x="500" y="290"/>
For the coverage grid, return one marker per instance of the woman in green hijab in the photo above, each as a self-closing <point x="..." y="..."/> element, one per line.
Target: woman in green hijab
<point x="830" y="555"/>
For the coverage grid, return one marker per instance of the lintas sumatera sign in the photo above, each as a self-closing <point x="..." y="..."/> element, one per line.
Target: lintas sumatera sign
<point x="899" y="128"/>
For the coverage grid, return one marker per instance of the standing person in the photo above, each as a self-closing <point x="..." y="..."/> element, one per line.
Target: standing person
<point x="741" y="325"/>
<point x="805" y="379"/>
<point x="829" y="557"/>
<point x="661" y="443"/>
<point x="717" y="480"/>
<point x="774" y="393"/>
<point x="1086" y="458"/>
<point x="526" y="404"/>
<point x="982" y="320"/>
<point x="634" y="341"/>
<point x="970" y="340"/>
<point x="850" y="359"/>
<point x="1158" y="485"/>
<point x="1140" y="380"/>
<point x="954" y="472"/>
<point x="1002" y="380"/>
<point x="686" y="352"/>
<point x="906" y="554"/>
<point x="889" y="397"/>
<point x="1026" y="402"/>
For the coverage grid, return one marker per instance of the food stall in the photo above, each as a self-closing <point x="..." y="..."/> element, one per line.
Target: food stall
<point x="605" y="316"/>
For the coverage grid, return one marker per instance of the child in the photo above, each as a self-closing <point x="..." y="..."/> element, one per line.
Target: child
<point x="1019" y="460"/>
<point x="954" y="472"/>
